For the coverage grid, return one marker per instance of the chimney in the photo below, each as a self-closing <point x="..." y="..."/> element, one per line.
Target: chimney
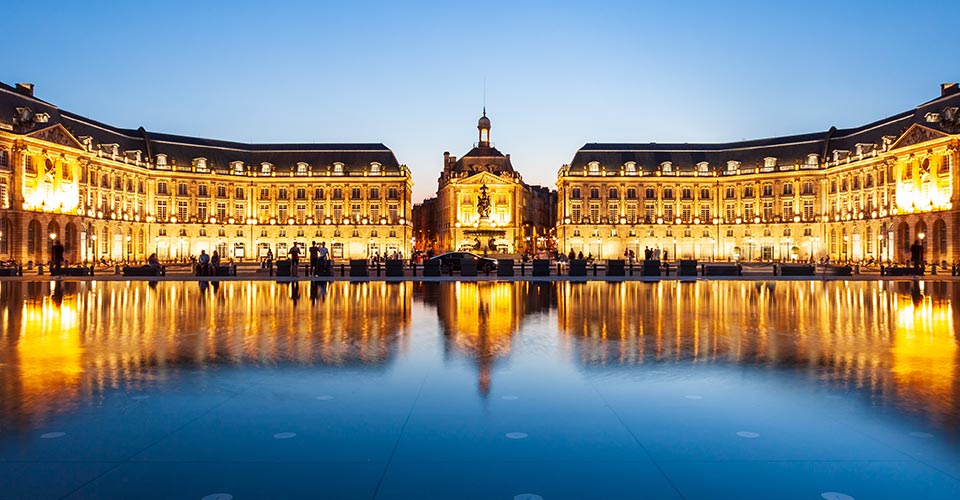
<point x="27" y="89"/>
<point x="945" y="89"/>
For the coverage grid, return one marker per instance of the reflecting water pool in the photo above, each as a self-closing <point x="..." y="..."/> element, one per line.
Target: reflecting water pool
<point x="704" y="389"/>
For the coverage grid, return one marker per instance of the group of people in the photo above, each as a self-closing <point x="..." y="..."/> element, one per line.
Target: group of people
<point x="207" y="264"/>
<point x="319" y="259"/>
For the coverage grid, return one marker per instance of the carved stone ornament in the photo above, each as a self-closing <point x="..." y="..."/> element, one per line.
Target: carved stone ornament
<point x="917" y="134"/>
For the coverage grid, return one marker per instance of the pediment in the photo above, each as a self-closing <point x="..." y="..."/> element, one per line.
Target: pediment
<point x="57" y="134"/>
<point x="917" y="134"/>
<point x="484" y="178"/>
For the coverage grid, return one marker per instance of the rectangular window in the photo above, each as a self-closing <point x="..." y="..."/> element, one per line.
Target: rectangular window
<point x="686" y="212"/>
<point x="301" y="211"/>
<point x="265" y="210"/>
<point x="301" y="193"/>
<point x="318" y="212"/>
<point x="337" y="212"/>
<point x="731" y="214"/>
<point x="668" y="212"/>
<point x="264" y="193"/>
<point x="650" y="212"/>
<point x="375" y="212"/>
<point x="355" y="211"/>
<point x="788" y="210"/>
<point x="355" y="193"/>
<point x="594" y="212"/>
<point x="575" y="213"/>
<point x="221" y="211"/>
<point x="239" y="212"/>
<point x="705" y="215"/>
<point x="768" y="210"/>
<point x="182" y="189"/>
<point x="748" y="211"/>
<point x="4" y="194"/>
<point x="613" y="212"/>
<point x="202" y="211"/>
<point x="282" y="212"/>
<point x="182" y="211"/>
<point x="393" y="211"/>
<point x="808" y="210"/>
<point x="161" y="187"/>
<point x="239" y="194"/>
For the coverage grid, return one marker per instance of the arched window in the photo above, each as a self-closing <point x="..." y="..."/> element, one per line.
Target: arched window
<point x="631" y="168"/>
<point x="374" y="168"/>
<point x="939" y="239"/>
<point x="302" y="168"/>
<point x="666" y="167"/>
<point x="6" y="233"/>
<point x="703" y="167"/>
<point x="338" y="168"/>
<point x="265" y="168"/>
<point x="161" y="161"/>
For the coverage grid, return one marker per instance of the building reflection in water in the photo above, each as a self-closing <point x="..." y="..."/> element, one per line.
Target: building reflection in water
<point x="65" y="341"/>
<point x="479" y="319"/>
<point x="897" y="340"/>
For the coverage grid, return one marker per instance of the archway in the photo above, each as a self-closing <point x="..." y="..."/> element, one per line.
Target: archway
<point x="920" y="230"/>
<point x="70" y="239"/>
<point x="6" y="237"/>
<point x="34" y="241"/>
<point x="938" y="241"/>
<point x="903" y="238"/>
<point x="53" y="233"/>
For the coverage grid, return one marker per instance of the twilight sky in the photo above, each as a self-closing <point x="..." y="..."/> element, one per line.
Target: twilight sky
<point x="558" y="74"/>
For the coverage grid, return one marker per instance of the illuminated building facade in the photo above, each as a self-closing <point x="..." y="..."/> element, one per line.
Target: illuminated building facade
<point x="122" y="194"/>
<point x="850" y="195"/>
<point x="482" y="203"/>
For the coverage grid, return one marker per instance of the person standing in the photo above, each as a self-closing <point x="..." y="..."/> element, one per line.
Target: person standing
<point x="294" y="254"/>
<point x="214" y="262"/>
<point x="57" y="255"/>
<point x="916" y="256"/>
<point x="324" y="256"/>
<point x="314" y="259"/>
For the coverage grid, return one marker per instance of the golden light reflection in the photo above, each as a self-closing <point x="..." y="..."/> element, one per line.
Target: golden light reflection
<point x="61" y="345"/>
<point x="897" y="339"/>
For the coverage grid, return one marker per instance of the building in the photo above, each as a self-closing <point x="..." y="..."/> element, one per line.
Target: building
<point x="121" y="194"/>
<point x="850" y="195"/>
<point x="482" y="203"/>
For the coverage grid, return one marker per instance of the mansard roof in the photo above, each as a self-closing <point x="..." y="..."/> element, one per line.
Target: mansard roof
<point x="485" y="159"/>
<point x="182" y="150"/>
<point x="787" y="150"/>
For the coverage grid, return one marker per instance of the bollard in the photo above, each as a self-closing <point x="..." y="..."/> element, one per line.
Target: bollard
<point x="558" y="269"/>
<point x="631" y="267"/>
<point x="378" y="268"/>
<point x="883" y="271"/>
<point x="933" y="269"/>
<point x="20" y="271"/>
<point x="39" y="269"/>
<point x="341" y="269"/>
<point x="594" y="268"/>
<point x="413" y="267"/>
<point x="522" y="266"/>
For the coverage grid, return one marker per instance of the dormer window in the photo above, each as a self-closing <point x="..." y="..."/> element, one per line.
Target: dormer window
<point x="87" y="142"/>
<point x="237" y="167"/>
<point x="266" y="168"/>
<point x="593" y="168"/>
<point x="200" y="164"/>
<point x="769" y="162"/>
<point x="110" y="149"/>
<point x="733" y="165"/>
<point x="338" y="168"/>
<point x="813" y="161"/>
<point x="161" y="161"/>
<point x="703" y="167"/>
<point x="666" y="167"/>
<point x="840" y="154"/>
<point x="374" y="168"/>
<point x="133" y="155"/>
<point x="302" y="168"/>
<point x="631" y="168"/>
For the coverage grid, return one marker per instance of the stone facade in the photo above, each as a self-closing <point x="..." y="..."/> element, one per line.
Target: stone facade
<point x="120" y="195"/>
<point x="847" y="195"/>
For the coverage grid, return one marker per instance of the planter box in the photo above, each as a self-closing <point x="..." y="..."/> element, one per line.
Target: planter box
<point x="797" y="270"/>
<point x="687" y="268"/>
<point x="541" y="267"/>
<point x="651" y="268"/>
<point x="723" y="270"/>
<point x="468" y="267"/>
<point x="394" y="268"/>
<point x="358" y="268"/>
<point x="616" y="267"/>
<point x="578" y="267"/>
<point x="504" y="267"/>
<point x="431" y="268"/>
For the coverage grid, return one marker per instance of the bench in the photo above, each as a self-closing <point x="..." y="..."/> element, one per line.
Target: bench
<point x="504" y="267"/>
<point x="541" y="267"/>
<point x="73" y="271"/>
<point x="144" y="271"/>
<point x="650" y="268"/>
<point x="797" y="270"/>
<point x="722" y="270"/>
<point x="687" y="267"/>
<point x="616" y="267"/>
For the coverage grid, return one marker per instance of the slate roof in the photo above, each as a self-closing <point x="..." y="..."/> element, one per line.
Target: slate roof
<point x="182" y="150"/>
<point x="788" y="150"/>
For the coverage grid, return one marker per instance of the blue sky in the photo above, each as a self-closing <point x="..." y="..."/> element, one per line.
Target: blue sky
<point x="558" y="74"/>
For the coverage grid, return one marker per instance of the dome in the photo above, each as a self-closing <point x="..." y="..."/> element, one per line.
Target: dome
<point x="484" y="122"/>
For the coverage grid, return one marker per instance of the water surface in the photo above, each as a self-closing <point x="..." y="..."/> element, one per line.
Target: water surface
<point x="704" y="389"/>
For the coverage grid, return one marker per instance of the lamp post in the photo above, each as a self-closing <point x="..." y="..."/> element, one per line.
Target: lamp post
<point x="923" y="248"/>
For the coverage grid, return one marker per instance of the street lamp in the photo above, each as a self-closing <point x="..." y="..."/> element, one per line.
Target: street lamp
<point x="923" y="248"/>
